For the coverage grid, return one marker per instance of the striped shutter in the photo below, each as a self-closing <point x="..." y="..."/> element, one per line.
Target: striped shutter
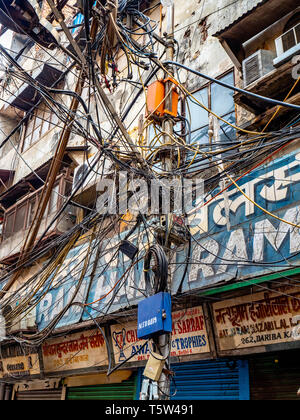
<point x="211" y="380"/>
<point x="39" y="395"/>
<point x="122" y="391"/>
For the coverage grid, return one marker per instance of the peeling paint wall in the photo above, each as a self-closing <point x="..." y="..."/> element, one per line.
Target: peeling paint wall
<point x="197" y="49"/>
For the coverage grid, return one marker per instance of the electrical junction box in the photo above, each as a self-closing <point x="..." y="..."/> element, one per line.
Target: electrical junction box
<point x="156" y="96"/>
<point x="154" y="367"/>
<point x="154" y="316"/>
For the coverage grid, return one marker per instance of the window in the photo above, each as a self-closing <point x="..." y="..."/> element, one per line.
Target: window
<point x="20" y="217"/>
<point x="220" y="100"/>
<point x="38" y="124"/>
<point x="290" y="39"/>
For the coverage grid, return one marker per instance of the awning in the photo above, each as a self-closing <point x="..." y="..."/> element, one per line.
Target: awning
<point x="27" y="96"/>
<point x="255" y="19"/>
<point x="25" y="17"/>
<point x="9" y="197"/>
<point x="240" y="24"/>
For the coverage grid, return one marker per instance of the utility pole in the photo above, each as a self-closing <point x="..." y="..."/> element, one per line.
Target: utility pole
<point x="164" y="341"/>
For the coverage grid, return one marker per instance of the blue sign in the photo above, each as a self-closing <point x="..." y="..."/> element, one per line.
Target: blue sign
<point x="154" y="315"/>
<point x="236" y="240"/>
<point x="233" y="239"/>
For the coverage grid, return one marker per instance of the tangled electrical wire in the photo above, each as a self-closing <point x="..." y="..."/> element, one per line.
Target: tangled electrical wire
<point x="241" y="151"/>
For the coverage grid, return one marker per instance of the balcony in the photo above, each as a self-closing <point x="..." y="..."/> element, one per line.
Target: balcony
<point x="25" y="17"/>
<point x="244" y="24"/>
<point x="276" y="84"/>
<point x="26" y="96"/>
<point x="263" y="43"/>
<point x="20" y="211"/>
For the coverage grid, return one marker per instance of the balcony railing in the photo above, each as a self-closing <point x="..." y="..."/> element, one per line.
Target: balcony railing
<point x="19" y="217"/>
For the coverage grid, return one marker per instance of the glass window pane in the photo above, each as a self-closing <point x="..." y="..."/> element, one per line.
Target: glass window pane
<point x="35" y="135"/>
<point x="68" y="188"/>
<point x="38" y="122"/>
<point x="197" y="116"/>
<point x="222" y="101"/>
<point x="28" y="133"/>
<point x="297" y="30"/>
<point x="31" y="211"/>
<point x="20" y="218"/>
<point x="200" y="136"/>
<point x="47" y="117"/>
<point x="288" y="40"/>
<point x="227" y="133"/>
<point x="27" y="143"/>
<point x="9" y="221"/>
<point x="44" y="128"/>
<point x="54" y="120"/>
<point x="30" y="125"/>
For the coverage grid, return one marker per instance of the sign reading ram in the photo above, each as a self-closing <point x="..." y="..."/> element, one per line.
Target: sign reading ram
<point x="236" y="239"/>
<point x="232" y="238"/>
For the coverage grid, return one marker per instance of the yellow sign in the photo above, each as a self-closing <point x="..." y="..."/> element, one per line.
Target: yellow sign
<point x="259" y="319"/>
<point x="77" y="351"/>
<point x="20" y="366"/>
<point x="189" y="336"/>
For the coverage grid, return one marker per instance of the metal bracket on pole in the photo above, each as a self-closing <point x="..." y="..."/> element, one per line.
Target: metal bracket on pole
<point x="144" y="395"/>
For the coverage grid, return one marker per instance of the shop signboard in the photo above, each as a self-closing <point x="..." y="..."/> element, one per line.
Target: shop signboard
<point x="189" y="337"/>
<point x="20" y="366"/>
<point x="232" y="239"/>
<point x="76" y="351"/>
<point x="260" y="319"/>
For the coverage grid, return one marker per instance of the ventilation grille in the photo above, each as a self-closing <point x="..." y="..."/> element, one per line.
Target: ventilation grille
<point x="252" y="70"/>
<point x="288" y="40"/>
<point x="258" y="65"/>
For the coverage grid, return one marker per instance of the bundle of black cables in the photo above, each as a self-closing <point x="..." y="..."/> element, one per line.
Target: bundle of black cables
<point x="123" y="4"/>
<point x="157" y="255"/>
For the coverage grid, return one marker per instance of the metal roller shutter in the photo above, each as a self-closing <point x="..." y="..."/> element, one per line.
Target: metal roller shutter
<point x="122" y="391"/>
<point x="275" y="377"/>
<point x="211" y="380"/>
<point x="39" y="395"/>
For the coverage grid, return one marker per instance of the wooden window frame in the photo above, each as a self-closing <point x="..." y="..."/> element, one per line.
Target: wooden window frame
<point x="61" y="181"/>
<point x="42" y="112"/>
<point x="208" y="86"/>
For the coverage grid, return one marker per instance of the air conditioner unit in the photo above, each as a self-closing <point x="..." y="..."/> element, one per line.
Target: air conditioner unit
<point x="287" y="45"/>
<point x="87" y="177"/>
<point x="257" y="66"/>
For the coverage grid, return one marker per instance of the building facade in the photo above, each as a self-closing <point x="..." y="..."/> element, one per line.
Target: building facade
<point x="75" y="112"/>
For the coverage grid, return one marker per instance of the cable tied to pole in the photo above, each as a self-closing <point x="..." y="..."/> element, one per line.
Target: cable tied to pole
<point x="156" y="261"/>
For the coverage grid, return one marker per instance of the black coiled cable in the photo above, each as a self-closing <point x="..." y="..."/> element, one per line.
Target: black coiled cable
<point x="160" y="270"/>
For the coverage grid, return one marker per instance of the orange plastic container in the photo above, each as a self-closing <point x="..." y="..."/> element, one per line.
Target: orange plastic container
<point x="155" y="98"/>
<point x="175" y="99"/>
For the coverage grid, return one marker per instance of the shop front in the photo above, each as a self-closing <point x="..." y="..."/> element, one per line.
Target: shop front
<point x="82" y="360"/>
<point x="38" y="390"/>
<point x="220" y="379"/>
<point x="275" y="376"/>
<point x="122" y="385"/>
<point x="263" y="329"/>
<point x="16" y="366"/>
<point x="198" y="375"/>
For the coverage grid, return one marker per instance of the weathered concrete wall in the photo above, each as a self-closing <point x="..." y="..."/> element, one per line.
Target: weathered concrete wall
<point x="194" y="24"/>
